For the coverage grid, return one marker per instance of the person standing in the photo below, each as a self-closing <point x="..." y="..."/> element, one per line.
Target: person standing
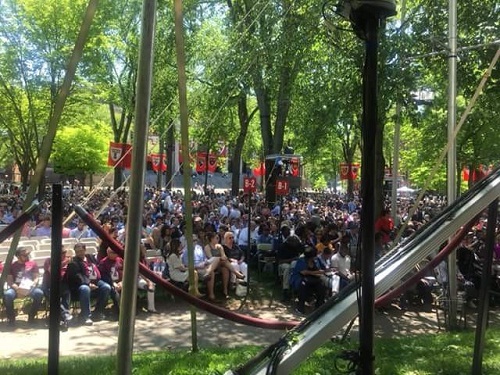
<point x="385" y="225"/>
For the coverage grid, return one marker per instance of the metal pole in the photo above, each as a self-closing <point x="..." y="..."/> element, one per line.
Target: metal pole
<point x="484" y="294"/>
<point x="134" y="218"/>
<point x="395" y="163"/>
<point x="183" y="109"/>
<point x="452" y="161"/>
<point x="369" y="133"/>
<point x="397" y="139"/>
<point x="55" y="279"/>
<point x="249" y="239"/>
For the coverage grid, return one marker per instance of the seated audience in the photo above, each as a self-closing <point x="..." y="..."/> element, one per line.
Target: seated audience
<point x="204" y="267"/>
<point x="236" y="256"/>
<point x="44" y="228"/>
<point x="81" y="231"/>
<point x="66" y="256"/>
<point x="111" y="269"/>
<point x="330" y="277"/>
<point x="341" y="262"/>
<point x="179" y="272"/>
<point x="306" y="279"/>
<point x="22" y="281"/>
<point x="215" y="250"/>
<point x="288" y="252"/>
<point x="84" y="280"/>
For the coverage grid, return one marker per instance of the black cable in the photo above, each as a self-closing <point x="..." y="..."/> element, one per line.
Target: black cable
<point x="351" y="359"/>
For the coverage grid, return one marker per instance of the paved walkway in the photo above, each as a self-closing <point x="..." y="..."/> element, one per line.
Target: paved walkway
<point x="171" y="328"/>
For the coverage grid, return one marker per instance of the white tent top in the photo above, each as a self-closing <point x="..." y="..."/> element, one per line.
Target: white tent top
<point x="406" y="189"/>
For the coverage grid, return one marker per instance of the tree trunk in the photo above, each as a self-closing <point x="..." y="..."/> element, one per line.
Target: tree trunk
<point x="264" y="104"/>
<point x="117" y="178"/>
<point x="244" y="119"/>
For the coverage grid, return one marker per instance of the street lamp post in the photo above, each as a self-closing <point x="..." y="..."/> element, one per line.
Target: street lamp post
<point x="366" y="17"/>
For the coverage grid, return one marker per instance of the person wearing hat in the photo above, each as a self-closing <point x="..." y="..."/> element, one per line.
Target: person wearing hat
<point x="22" y="281"/>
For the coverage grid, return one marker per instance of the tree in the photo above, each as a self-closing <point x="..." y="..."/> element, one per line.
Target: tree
<point x="112" y="68"/>
<point x="274" y="47"/>
<point x="36" y="38"/>
<point x="327" y="110"/>
<point x="90" y="155"/>
<point x="423" y="50"/>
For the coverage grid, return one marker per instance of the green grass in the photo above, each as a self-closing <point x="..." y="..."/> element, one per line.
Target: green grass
<point x="443" y="354"/>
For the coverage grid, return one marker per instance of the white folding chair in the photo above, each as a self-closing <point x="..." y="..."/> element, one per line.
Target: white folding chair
<point x="33" y="243"/>
<point x="69" y="241"/>
<point x="92" y="241"/>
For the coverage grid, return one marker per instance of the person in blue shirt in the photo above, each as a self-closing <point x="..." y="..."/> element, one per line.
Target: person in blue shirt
<point x="265" y="235"/>
<point x="306" y="280"/>
<point x="204" y="266"/>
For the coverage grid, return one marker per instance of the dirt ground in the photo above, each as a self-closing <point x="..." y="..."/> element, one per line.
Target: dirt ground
<point x="171" y="328"/>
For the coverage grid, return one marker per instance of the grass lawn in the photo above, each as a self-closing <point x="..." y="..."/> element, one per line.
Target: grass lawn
<point x="444" y="354"/>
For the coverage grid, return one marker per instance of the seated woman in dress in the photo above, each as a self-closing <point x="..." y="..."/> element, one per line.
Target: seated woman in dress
<point x="214" y="250"/>
<point x="178" y="271"/>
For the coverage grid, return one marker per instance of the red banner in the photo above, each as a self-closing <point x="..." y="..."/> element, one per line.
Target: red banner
<point x="212" y="163"/>
<point x="295" y="167"/>
<point x="120" y="155"/>
<point x="477" y="174"/>
<point x="260" y="170"/>
<point x="349" y="171"/>
<point x="201" y="159"/>
<point x="157" y="163"/>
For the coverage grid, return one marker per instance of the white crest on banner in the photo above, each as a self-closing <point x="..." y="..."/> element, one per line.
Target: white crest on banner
<point x="344" y="169"/>
<point x="116" y="153"/>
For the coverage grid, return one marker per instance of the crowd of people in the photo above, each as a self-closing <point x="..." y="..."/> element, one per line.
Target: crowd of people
<point x="314" y="238"/>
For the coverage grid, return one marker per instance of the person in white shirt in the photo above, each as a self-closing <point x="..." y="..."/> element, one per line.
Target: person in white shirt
<point x="341" y="262"/>
<point x="234" y="212"/>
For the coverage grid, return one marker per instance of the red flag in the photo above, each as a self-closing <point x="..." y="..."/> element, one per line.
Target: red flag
<point x="344" y="171"/>
<point x="260" y="170"/>
<point x="120" y="155"/>
<point x="355" y="170"/>
<point x="212" y="163"/>
<point x="295" y="167"/>
<point x="465" y="173"/>
<point x="200" y="162"/>
<point x="157" y="164"/>
<point x="349" y="171"/>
